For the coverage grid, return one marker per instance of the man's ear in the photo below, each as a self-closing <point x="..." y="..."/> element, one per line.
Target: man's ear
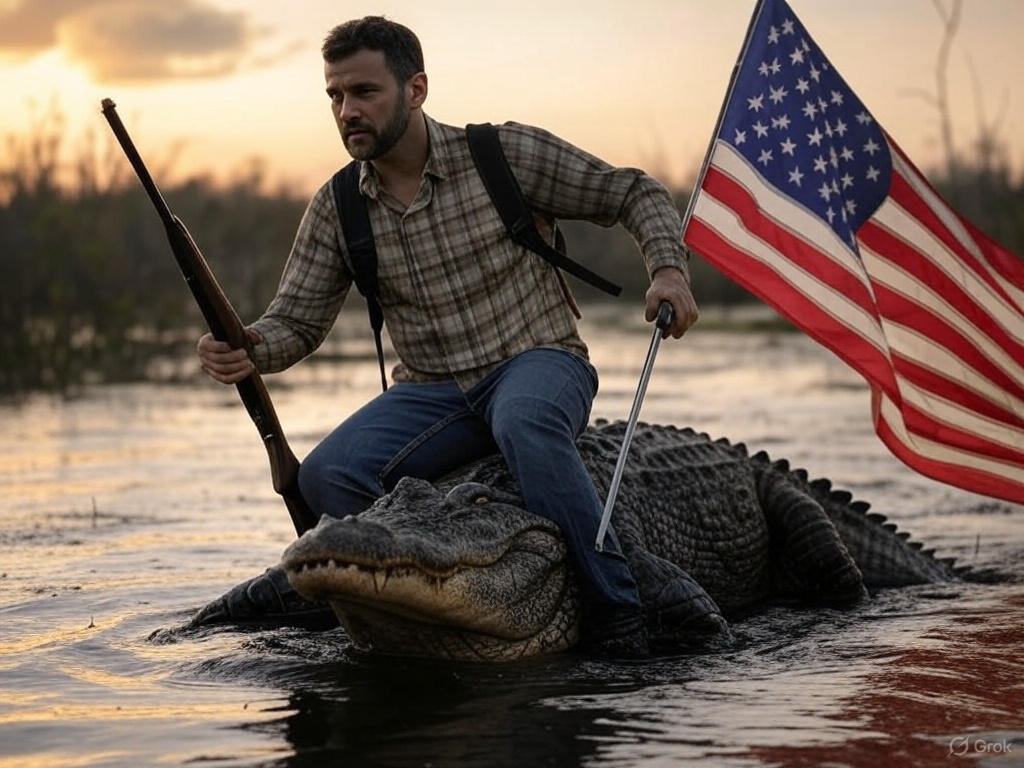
<point x="417" y="90"/>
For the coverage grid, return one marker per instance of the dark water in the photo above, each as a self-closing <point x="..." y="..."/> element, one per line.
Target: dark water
<point x="128" y="508"/>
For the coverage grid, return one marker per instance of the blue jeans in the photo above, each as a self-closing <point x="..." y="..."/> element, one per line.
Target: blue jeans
<point x="532" y="409"/>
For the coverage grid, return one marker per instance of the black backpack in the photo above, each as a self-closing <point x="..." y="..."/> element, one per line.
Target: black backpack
<point x="507" y="197"/>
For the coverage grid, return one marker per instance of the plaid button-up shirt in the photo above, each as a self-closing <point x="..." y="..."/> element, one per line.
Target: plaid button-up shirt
<point x="459" y="297"/>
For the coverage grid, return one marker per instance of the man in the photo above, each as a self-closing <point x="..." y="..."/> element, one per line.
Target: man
<point x="485" y="330"/>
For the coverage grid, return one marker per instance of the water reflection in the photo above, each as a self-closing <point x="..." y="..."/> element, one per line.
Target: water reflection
<point x="903" y="678"/>
<point x="951" y="679"/>
<point x="399" y="713"/>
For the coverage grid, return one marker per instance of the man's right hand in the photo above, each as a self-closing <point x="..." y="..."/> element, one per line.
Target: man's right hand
<point x="221" y="362"/>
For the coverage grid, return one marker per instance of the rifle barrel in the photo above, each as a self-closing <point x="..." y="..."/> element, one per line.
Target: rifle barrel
<point x="225" y="325"/>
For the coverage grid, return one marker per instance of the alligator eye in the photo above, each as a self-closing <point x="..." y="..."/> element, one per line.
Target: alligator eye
<point x="481" y="499"/>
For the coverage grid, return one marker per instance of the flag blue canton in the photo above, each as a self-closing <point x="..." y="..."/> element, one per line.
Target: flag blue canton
<point x="802" y="128"/>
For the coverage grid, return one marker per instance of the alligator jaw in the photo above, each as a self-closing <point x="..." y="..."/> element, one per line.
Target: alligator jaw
<point x="391" y="633"/>
<point x="399" y="585"/>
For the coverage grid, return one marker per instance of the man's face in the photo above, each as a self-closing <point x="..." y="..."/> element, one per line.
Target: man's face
<point x="370" y="107"/>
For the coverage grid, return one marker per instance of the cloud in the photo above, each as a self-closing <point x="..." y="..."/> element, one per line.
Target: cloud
<point x="119" y="41"/>
<point x="28" y="27"/>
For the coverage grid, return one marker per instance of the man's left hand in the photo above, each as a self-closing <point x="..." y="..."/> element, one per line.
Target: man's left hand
<point x="669" y="284"/>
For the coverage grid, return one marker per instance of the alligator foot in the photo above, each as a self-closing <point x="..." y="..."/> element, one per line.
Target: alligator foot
<point x="634" y="644"/>
<point x="678" y="609"/>
<point x="267" y="600"/>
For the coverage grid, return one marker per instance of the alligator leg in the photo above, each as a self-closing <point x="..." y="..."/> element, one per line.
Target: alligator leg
<point x="809" y="558"/>
<point x="267" y="600"/>
<point x="678" y="610"/>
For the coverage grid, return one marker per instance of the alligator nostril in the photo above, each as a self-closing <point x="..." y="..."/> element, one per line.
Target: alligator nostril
<point x="481" y="500"/>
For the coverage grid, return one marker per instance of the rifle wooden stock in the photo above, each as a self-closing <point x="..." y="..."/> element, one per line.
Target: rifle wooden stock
<point x="225" y="325"/>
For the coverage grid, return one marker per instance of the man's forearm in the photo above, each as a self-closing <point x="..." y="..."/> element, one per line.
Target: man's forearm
<point x="650" y="215"/>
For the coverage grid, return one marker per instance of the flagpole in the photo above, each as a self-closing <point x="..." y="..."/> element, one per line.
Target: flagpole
<point x="721" y="112"/>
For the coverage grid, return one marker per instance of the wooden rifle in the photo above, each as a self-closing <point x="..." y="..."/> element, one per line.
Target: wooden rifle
<point x="225" y="325"/>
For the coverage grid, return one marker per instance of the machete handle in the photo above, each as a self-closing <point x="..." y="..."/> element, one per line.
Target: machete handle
<point x="665" y="315"/>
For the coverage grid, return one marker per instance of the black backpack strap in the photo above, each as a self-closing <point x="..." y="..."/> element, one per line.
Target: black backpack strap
<point x="507" y="197"/>
<point x="355" y="225"/>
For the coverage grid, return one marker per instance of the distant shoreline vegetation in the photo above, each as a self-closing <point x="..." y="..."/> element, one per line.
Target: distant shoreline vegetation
<point x="91" y="293"/>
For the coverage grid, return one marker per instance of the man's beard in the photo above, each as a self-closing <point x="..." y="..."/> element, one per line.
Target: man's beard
<point x="385" y="139"/>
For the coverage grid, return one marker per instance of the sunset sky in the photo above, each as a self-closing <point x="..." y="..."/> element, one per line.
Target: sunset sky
<point x="639" y="83"/>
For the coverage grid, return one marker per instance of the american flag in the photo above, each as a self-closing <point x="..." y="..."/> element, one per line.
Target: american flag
<point x="808" y="203"/>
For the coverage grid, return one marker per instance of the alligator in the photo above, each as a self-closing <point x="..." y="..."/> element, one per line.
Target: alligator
<point x="459" y="569"/>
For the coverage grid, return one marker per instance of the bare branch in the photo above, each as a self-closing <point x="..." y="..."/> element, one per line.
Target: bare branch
<point x="926" y="96"/>
<point x="951" y="23"/>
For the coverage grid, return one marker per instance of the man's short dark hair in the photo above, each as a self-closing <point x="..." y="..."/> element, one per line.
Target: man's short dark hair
<point x="400" y="46"/>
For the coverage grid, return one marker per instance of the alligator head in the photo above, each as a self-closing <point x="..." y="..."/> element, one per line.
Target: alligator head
<point x="467" y="574"/>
